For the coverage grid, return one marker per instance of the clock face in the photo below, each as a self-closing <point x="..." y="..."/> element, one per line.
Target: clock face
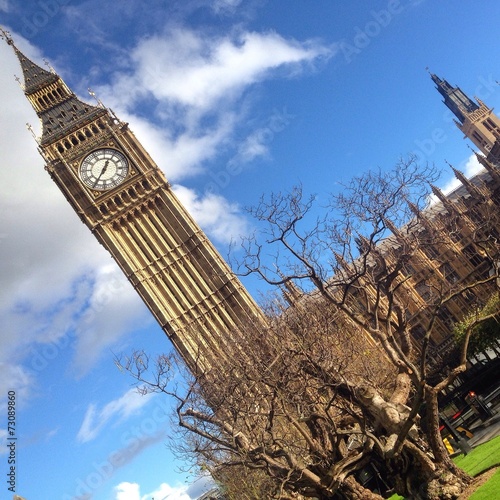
<point x="104" y="169"/>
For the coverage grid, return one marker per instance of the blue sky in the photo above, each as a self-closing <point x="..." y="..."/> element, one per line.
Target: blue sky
<point x="233" y="99"/>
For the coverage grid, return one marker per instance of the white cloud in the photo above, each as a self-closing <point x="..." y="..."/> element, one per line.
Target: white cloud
<point x="193" y="69"/>
<point x="117" y="410"/>
<point x="256" y="144"/>
<point x="167" y="492"/>
<point x="113" y="309"/>
<point x="14" y="377"/>
<point x="131" y="491"/>
<point x="229" y="6"/>
<point x="253" y="147"/>
<point x="4" y="6"/>
<point x="180" y="156"/>
<point x="194" y="84"/>
<point x="127" y="491"/>
<point x="220" y="218"/>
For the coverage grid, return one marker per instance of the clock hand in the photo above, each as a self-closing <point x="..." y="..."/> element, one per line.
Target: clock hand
<point x="102" y="172"/>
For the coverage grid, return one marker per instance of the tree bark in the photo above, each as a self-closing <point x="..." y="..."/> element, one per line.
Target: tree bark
<point x="439" y="451"/>
<point x="353" y="490"/>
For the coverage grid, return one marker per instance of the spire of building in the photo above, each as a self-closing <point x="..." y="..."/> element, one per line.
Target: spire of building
<point x="456" y="100"/>
<point x="438" y="193"/>
<point x="35" y="77"/>
<point x="393" y="229"/>
<point x="493" y="170"/>
<point x="471" y="188"/>
<point x="58" y="108"/>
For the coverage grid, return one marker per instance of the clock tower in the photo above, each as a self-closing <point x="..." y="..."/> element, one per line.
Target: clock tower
<point x="122" y="196"/>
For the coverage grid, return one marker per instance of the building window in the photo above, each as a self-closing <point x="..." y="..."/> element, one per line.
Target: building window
<point x="490" y="124"/>
<point x="449" y="273"/>
<point x="476" y="216"/>
<point x="477" y="137"/>
<point x="418" y="333"/>
<point x="424" y="290"/>
<point x="431" y="252"/>
<point x="408" y="270"/>
<point x="446" y="316"/>
<point x="472" y="254"/>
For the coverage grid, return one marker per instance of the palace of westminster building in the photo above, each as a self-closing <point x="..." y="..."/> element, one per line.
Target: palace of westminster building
<point x="118" y="191"/>
<point x="463" y="228"/>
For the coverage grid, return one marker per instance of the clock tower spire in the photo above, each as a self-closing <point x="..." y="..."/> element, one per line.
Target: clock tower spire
<point x="122" y="196"/>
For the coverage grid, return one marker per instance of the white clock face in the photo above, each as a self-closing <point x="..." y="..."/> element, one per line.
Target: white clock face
<point x="104" y="169"/>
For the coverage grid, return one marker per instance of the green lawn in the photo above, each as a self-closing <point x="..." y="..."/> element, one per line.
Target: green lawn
<point x="478" y="460"/>
<point x="489" y="490"/>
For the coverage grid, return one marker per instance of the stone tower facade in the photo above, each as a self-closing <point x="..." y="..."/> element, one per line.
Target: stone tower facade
<point x="119" y="192"/>
<point x="474" y="119"/>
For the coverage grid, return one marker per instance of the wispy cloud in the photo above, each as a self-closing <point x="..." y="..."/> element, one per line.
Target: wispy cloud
<point x="220" y="218"/>
<point x="113" y="309"/>
<point x="193" y="85"/>
<point x="226" y="6"/>
<point x="192" y="69"/>
<point x="119" y="409"/>
<point x="131" y="491"/>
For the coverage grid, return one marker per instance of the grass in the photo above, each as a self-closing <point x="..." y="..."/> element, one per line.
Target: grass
<point x="489" y="490"/>
<point x="481" y="458"/>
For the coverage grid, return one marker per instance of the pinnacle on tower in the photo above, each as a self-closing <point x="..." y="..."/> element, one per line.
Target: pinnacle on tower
<point x="493" y="170"/>
<point x="454" y="98"/>
<point x="438" y="193"/>
<point x="58" y="108"/>
<point x="477" y="121"/>
<point x="35" y="77"/>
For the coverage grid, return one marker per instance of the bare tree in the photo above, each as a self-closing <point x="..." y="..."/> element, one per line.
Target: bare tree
<point x="334" y="388"/>
<point x="283" y="425"/>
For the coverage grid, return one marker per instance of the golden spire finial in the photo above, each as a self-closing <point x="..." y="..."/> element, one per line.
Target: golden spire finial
<point x="30" y="128"/>
<point x="92" y="93"/>
<point x="5" y="35"/>
<point x="19" y="81"/>
<point x="52" y="70"/>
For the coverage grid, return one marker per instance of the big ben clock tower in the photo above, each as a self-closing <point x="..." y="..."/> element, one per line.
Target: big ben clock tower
<point x="122" y="196"/>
